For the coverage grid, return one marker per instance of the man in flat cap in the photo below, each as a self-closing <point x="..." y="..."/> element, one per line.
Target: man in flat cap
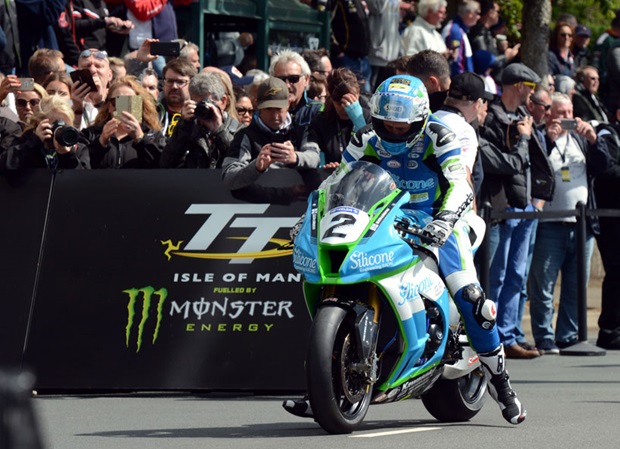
<point x="518" y="177"/>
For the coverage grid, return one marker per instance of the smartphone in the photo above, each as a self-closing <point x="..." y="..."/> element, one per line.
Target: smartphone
<point x="84" y="77"/>
<point x="278" y="138"/>
<point x="131" y="104"/>
<point x="26" y="84"/>
<point x="568" y="123"/>
<point x="166" y="48"/>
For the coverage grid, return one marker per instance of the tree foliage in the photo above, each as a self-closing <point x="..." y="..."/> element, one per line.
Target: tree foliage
<point x="595" y="14"/>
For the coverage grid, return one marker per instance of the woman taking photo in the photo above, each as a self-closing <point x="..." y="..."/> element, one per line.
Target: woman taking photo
<point x="48" y="141"/>
<point x="123" y="139"/>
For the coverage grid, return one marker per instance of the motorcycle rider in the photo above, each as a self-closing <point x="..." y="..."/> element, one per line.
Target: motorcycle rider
<point x="424" y="157"/>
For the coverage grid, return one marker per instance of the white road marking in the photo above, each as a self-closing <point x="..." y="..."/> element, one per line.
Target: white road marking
<point x="394" y="432"/>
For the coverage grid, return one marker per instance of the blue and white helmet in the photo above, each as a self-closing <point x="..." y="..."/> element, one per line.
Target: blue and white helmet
<point x="403" y="99"/>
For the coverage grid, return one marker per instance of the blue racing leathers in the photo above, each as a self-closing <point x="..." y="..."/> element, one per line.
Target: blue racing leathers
<point x="436" y="178"/>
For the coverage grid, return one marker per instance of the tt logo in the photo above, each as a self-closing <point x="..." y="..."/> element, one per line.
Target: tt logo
<point x="221" y="216"/>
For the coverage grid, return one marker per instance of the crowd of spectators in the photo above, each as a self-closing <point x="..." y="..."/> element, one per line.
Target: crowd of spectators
<point x="84" y="88"/>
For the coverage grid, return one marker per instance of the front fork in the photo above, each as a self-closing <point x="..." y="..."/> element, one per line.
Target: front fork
<point x="367" y="318"/>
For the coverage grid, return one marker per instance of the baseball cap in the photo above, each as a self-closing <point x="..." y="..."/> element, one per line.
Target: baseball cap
<point x="517" y="73"/>
<point x="583" y="30"/>
<point x="468" y="86"/>
<point x="236" y="77"/>
<point x="272" y="93"/>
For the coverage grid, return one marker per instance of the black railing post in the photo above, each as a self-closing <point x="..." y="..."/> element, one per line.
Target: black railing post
<point x="484" y="250"/>
<point x="582" y="347"/>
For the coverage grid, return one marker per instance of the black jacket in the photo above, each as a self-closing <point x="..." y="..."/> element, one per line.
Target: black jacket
<point x="9" y="57"/>
<point x="124" y="153"/>
<point x="192" y="147"/>
<point x="507" y="179"/>
<point x="350" y="29"/>
<point x="588" y="107"/>
<point x="239" y="168"/>
<point x="81" y="25"/>
<point x="333" y="135"/>
<point x="28" y="151"/>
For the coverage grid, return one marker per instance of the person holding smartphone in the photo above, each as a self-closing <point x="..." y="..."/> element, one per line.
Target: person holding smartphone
<point x="271" y="141"/>
<point x="120" y="140"/>
<point x="577" y="156"/>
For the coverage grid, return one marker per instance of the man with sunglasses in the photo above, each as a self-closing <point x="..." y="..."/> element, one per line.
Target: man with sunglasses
<point x="85" y="100"/>
<point x="516" y="184"/>
<point x="539" y="106"/>
<point x="293" y="69"/>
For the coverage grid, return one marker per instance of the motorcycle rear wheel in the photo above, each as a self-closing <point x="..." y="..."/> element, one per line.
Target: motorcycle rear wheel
<point x="338" y="395"/>
<point x="457" y="400"/>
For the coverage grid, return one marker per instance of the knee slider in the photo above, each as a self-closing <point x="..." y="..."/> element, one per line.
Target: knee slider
<point x="484" y="309"/>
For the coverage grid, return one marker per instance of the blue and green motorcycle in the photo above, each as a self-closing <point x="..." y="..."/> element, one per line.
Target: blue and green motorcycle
<point x="384" y="327"/>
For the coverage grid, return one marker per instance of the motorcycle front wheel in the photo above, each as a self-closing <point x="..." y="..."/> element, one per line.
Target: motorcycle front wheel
<point x="339" y="395"/>
<point x="457" y="400"/>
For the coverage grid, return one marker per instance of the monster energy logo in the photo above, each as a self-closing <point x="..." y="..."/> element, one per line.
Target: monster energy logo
<point x="147" y="294"/>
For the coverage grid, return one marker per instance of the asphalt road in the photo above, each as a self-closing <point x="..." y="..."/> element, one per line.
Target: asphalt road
<point x="572" y="402"/>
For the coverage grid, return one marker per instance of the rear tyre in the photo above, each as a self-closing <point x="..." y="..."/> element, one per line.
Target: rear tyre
<point x="457" y="400"/>
<point x="339" y="394"/>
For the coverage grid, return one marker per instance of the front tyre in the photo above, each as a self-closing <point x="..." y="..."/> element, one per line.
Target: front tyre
<point x="457" y="400"/>
<point x="339" y="394"/>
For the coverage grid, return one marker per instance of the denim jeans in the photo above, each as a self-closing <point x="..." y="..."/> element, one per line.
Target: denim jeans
<point x="519" y="333"/>
<point x="555" y="251"/>
<point x="507" y="272"/>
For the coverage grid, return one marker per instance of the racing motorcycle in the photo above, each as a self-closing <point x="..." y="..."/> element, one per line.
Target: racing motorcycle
<point x="384" y="327"/>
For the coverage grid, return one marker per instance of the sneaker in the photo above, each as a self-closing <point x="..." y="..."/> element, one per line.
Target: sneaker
<point x="566" y="344"/>
<point x="548" y="347"/>
<point x="298" y="407"/>
<point x="499" y="386"/>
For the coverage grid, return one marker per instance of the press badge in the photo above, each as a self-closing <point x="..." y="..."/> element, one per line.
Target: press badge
<point x="565" y="171"/>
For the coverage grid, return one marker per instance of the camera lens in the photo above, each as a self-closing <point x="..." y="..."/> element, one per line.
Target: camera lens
<point x="203" y="111"/>
<point x="65" y="135"/>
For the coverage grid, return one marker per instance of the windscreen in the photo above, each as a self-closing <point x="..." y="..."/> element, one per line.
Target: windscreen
<point x="362" y="187"/>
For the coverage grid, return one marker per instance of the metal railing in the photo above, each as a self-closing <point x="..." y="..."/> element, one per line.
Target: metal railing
<point x="580" y="213"/>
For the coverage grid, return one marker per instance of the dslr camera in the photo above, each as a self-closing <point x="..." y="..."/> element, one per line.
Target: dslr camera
<point x="64" y="134"/>
<point x="203" y="111"/>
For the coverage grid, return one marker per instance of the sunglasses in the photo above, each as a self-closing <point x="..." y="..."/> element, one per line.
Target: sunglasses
<point x="529" y="84"/>
<point x="99" y="54"/>
<point x="243" y="111"/>
<point x="566" y="35"/>
<point x="546" y="106"/>
<point x="23" y="103"/>
<point x="293" y="79"/>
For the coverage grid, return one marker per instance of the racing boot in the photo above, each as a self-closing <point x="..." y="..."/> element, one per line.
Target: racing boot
<point x="298" y="407"/>
<point x="499" y="386"/>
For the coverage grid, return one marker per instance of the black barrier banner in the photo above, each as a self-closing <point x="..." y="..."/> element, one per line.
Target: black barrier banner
<point x="24" y="202"/>
<point x="162" y="280"/>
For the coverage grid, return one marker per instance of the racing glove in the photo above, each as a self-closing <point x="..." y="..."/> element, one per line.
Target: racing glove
<point x="437" y="231"/>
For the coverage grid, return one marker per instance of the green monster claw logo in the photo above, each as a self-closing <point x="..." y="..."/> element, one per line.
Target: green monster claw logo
<point x="147" y="294"/>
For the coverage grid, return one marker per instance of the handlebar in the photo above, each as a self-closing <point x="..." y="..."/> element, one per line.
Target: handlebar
<point x="404" y="226"/>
